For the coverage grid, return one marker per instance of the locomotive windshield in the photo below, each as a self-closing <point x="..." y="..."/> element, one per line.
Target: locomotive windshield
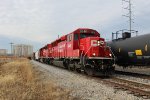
<point x="84" y="35"/>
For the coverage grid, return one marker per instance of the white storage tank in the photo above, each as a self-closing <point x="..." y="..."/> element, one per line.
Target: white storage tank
<point x="3" y="52"/>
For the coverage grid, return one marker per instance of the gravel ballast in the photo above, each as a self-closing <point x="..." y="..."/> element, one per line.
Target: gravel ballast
<point x="81" y="86"/>
<point x="140" y="70"/>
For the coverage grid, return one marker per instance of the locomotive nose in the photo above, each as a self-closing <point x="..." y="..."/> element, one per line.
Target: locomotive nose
<point x="97" y="45"/>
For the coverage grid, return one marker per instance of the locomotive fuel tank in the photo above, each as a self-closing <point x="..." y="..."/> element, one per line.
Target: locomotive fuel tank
<point x="132" y="51"/>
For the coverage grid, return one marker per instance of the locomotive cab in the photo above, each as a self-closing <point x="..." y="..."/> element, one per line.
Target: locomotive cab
<point x="95" y="55"/>
<point x="92" y="45"/>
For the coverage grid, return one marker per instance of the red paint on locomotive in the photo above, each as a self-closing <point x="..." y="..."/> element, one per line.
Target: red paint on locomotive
<point x="81" y="48"/>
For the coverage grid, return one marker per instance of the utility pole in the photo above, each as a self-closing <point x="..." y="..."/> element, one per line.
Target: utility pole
<point x="11" y="46"/>
<point x="129" y="15"/>
<point x="127" y="5"/>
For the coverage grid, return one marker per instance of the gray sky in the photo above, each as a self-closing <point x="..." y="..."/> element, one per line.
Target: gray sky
<point x="38" y="22"/>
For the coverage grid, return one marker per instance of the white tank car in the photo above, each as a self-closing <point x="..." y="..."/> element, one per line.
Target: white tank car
<point x="37" y="55"/>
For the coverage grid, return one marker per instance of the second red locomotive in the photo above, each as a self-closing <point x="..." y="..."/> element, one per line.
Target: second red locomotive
<point x="82" y="50"/>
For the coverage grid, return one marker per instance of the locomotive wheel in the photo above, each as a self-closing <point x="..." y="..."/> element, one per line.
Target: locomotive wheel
<point x="89" y="71"/>
<point x="71" y="68"/>
<point x="78" y="70"/>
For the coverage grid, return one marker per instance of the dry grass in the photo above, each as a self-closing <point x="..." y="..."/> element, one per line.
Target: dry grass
<point x="6" y="59"/>
<point x="19" y="80"/>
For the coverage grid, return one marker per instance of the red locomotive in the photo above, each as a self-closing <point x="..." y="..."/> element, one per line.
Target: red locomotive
<point x="82" y="50"/>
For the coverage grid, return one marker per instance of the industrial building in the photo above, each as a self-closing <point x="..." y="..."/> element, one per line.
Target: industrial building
<point x="3" y="52"/>
<point x="22" y="50"/>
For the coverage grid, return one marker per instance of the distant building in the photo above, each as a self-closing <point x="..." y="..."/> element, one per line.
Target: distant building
<point x="3" y="52"/>
<point x="22" y="50"/>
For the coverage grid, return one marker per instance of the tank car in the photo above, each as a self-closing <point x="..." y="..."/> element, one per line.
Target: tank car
<point x="36" y="55"/>
<point x="82" y="50"/>
<point x="131" y="51"/>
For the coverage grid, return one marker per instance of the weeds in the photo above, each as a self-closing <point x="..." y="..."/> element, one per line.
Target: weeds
<point x="19" y="80"/>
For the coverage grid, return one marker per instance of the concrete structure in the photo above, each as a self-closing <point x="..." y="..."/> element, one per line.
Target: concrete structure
<point x="3" y="52"/>
<point x="22" y="50"/>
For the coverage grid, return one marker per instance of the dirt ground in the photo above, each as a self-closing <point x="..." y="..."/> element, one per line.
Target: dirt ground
<point x="20" y="80"/>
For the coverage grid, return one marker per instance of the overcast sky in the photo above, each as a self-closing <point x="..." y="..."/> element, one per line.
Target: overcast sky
<point x="38" y="22"/>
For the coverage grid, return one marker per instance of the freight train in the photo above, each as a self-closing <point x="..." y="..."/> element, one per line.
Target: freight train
<point x="82" y="50"/>
<point x="131" y="51"/>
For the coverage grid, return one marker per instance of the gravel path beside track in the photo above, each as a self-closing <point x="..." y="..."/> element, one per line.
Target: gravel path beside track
<point x="140" y="70"/>
<point x="83" y="87"/>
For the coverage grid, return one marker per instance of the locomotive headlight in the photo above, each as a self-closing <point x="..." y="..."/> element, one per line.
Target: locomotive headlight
<point x="110" y="54"/>
<point x="94" y="54"/>
<point x="98" y="43"/>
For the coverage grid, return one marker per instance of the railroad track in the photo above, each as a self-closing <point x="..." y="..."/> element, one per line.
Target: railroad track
<point x="137" y="75"/>
<point x="137" y="89"/>
<point x="131" y="83"/>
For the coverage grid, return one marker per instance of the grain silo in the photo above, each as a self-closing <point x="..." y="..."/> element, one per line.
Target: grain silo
<point x="22" y="50"/>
